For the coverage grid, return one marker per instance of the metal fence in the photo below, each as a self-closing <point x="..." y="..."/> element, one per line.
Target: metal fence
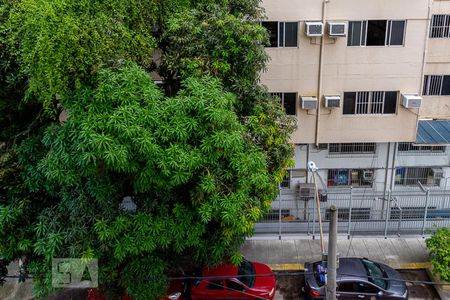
<point x="360" y="212"/>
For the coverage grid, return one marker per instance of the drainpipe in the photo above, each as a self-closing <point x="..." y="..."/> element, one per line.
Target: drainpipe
<point x="321" y="57"/>
<point x="424" y="57"/>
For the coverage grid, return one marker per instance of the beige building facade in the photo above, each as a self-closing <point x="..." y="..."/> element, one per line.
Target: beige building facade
<point x="386" y="64"/>
<point x="323" y="66"/>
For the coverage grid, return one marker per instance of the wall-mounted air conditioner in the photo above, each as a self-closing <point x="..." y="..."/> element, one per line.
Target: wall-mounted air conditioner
<point x="313" y="29"/>
<point x="368" y="175"/>
<point x="306" y="191"/>
<point x="332" y="101"/>
<point x="337" y="29"/>
<point x="411" y="100"/>
<point x="309" y="102"/>
<point x="437" y="173"/>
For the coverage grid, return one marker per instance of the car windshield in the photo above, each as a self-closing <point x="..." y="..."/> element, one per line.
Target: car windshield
<point x="246" y="268"/>
<point x="375" y="273"/>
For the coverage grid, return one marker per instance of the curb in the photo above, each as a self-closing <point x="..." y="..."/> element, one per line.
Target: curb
<point x="401" y="266"/>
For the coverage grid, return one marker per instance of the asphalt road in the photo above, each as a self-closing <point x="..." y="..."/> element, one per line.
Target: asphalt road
<point x="289" y="287"/>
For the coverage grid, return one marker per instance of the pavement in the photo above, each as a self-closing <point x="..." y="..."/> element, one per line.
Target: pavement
<point x="405" y="253"/>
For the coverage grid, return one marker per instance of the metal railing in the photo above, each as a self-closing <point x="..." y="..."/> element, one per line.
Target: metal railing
<point x="361" y="212"/>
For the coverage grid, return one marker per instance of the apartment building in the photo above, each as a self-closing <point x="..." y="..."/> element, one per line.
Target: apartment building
<point x="369" y="83"/>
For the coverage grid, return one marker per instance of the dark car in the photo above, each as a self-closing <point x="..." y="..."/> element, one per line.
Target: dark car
<point x="357" y="278"/>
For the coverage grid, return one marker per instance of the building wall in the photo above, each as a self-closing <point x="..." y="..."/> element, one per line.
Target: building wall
<point x="346" y="68"/>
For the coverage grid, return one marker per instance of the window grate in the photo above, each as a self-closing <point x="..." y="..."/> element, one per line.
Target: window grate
<point x="410" y="147"/>
<point x="350" y="148"/>
<point x="440" y="26"/>
<point x="376" y="33"/>
<point x="282" y="34"/>
<point x="374" y="102"/>
<point x="288" y="101"/>
<point x="412" y="176"/>
<point x="436" y="85"/>
<point x="350" y="177"/>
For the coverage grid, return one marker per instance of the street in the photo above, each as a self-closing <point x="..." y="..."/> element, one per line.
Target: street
<point x="289" y="286"/>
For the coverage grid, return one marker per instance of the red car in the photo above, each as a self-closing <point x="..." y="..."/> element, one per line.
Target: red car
<point x="225" y="282"/>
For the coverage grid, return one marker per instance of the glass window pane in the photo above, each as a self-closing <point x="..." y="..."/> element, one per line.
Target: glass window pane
<point x="291" y="34"/>
<point x="446" y="85"/>
<point x="281" y="34"/>
<point x="215" y="285"/>
<point x="390" y="102"/>
<point x="349" y="103"/>
<point x="289" y="103"/>
<point x="354" y="34"/>
<point x="376" y="32"/>
<point x="397" y="33"/>
<point x="272" y="28"/>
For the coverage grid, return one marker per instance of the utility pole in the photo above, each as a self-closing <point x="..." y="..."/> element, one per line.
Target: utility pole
<point x="332" y="256"/>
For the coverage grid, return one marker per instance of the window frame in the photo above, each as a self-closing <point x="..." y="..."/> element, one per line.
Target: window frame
<point x="368" y="101"/>
<point x="281" y="36"/>
<point x="433" y="85"/>
<point x="445" y="28"/>
<point x="364" y="25"/>
<point x="282" y="95"/>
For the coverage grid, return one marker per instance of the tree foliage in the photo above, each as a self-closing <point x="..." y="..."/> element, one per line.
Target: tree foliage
<point x="439" y="246"/>
<point x="201" y="158"/>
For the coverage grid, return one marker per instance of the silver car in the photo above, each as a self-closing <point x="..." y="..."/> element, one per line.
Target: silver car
<point x="357" y="278"/>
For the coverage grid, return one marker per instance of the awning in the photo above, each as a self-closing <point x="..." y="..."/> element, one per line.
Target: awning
<point x="433" y="132"/>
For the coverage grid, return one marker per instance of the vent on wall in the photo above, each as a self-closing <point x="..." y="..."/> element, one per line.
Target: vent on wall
<point x="309" y="102"/>
<point x="332" y="101"/>
<point x="411" y="100"/>
<point x="336" y="29"/>
<point x="313" y="29"/>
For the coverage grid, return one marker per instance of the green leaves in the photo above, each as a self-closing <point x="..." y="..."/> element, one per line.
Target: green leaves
<point x="439" y="246"/>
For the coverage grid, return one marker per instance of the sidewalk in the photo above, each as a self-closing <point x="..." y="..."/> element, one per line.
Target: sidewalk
<point x="400" y="253"/>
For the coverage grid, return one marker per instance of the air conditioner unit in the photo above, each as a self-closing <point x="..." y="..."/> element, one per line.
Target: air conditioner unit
<point x="309" y="102"/>
<point x="332" y="101"/>
<point x="368" y="175"/>
<point x="411" y="100"/>
<point x="306" y="191"/>
<point x="437" y="173"/>
<point x="336" y="29"/>
<point x="313" y="29"/>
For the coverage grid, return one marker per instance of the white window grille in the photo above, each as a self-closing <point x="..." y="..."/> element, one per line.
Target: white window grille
<point x="376" y="33"/>
<point x="440" y="26"/>
<point x="375" y="102"/>
<point x="410" y="147"/>
<point x="436" y="85"/>
<point x="407" y="176"/>
<point x="352" y="148"/>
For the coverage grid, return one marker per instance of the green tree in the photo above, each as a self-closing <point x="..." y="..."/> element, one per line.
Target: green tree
<point x="201" y="158"/>
<point x="439" y="246"/>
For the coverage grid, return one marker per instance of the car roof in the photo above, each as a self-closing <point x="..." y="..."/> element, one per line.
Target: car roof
<point x="351" y="268"/>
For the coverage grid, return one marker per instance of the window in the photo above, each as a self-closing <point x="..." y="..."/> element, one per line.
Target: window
<point x="246" y="270"/>
<point x="348" y="148"/>
<point x="375" y="275"/>
<point x="363" y="103"/>
<point x="282" y="34"/>
<point x="347" y="177"/>
<point x="344" y="214"/>
<point x="440" y="26"/>
<point x="411" y="176"/>
<point x="410" y="147"/>
<point x="436" y="85"/>
<point x="235" y="286"/>
<point x="376" y="33"/>
<point x="215" y="285"/>
<point x="347" y="287"/>
<point x="286" y="183"/>
<point x="288" y="101"/>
